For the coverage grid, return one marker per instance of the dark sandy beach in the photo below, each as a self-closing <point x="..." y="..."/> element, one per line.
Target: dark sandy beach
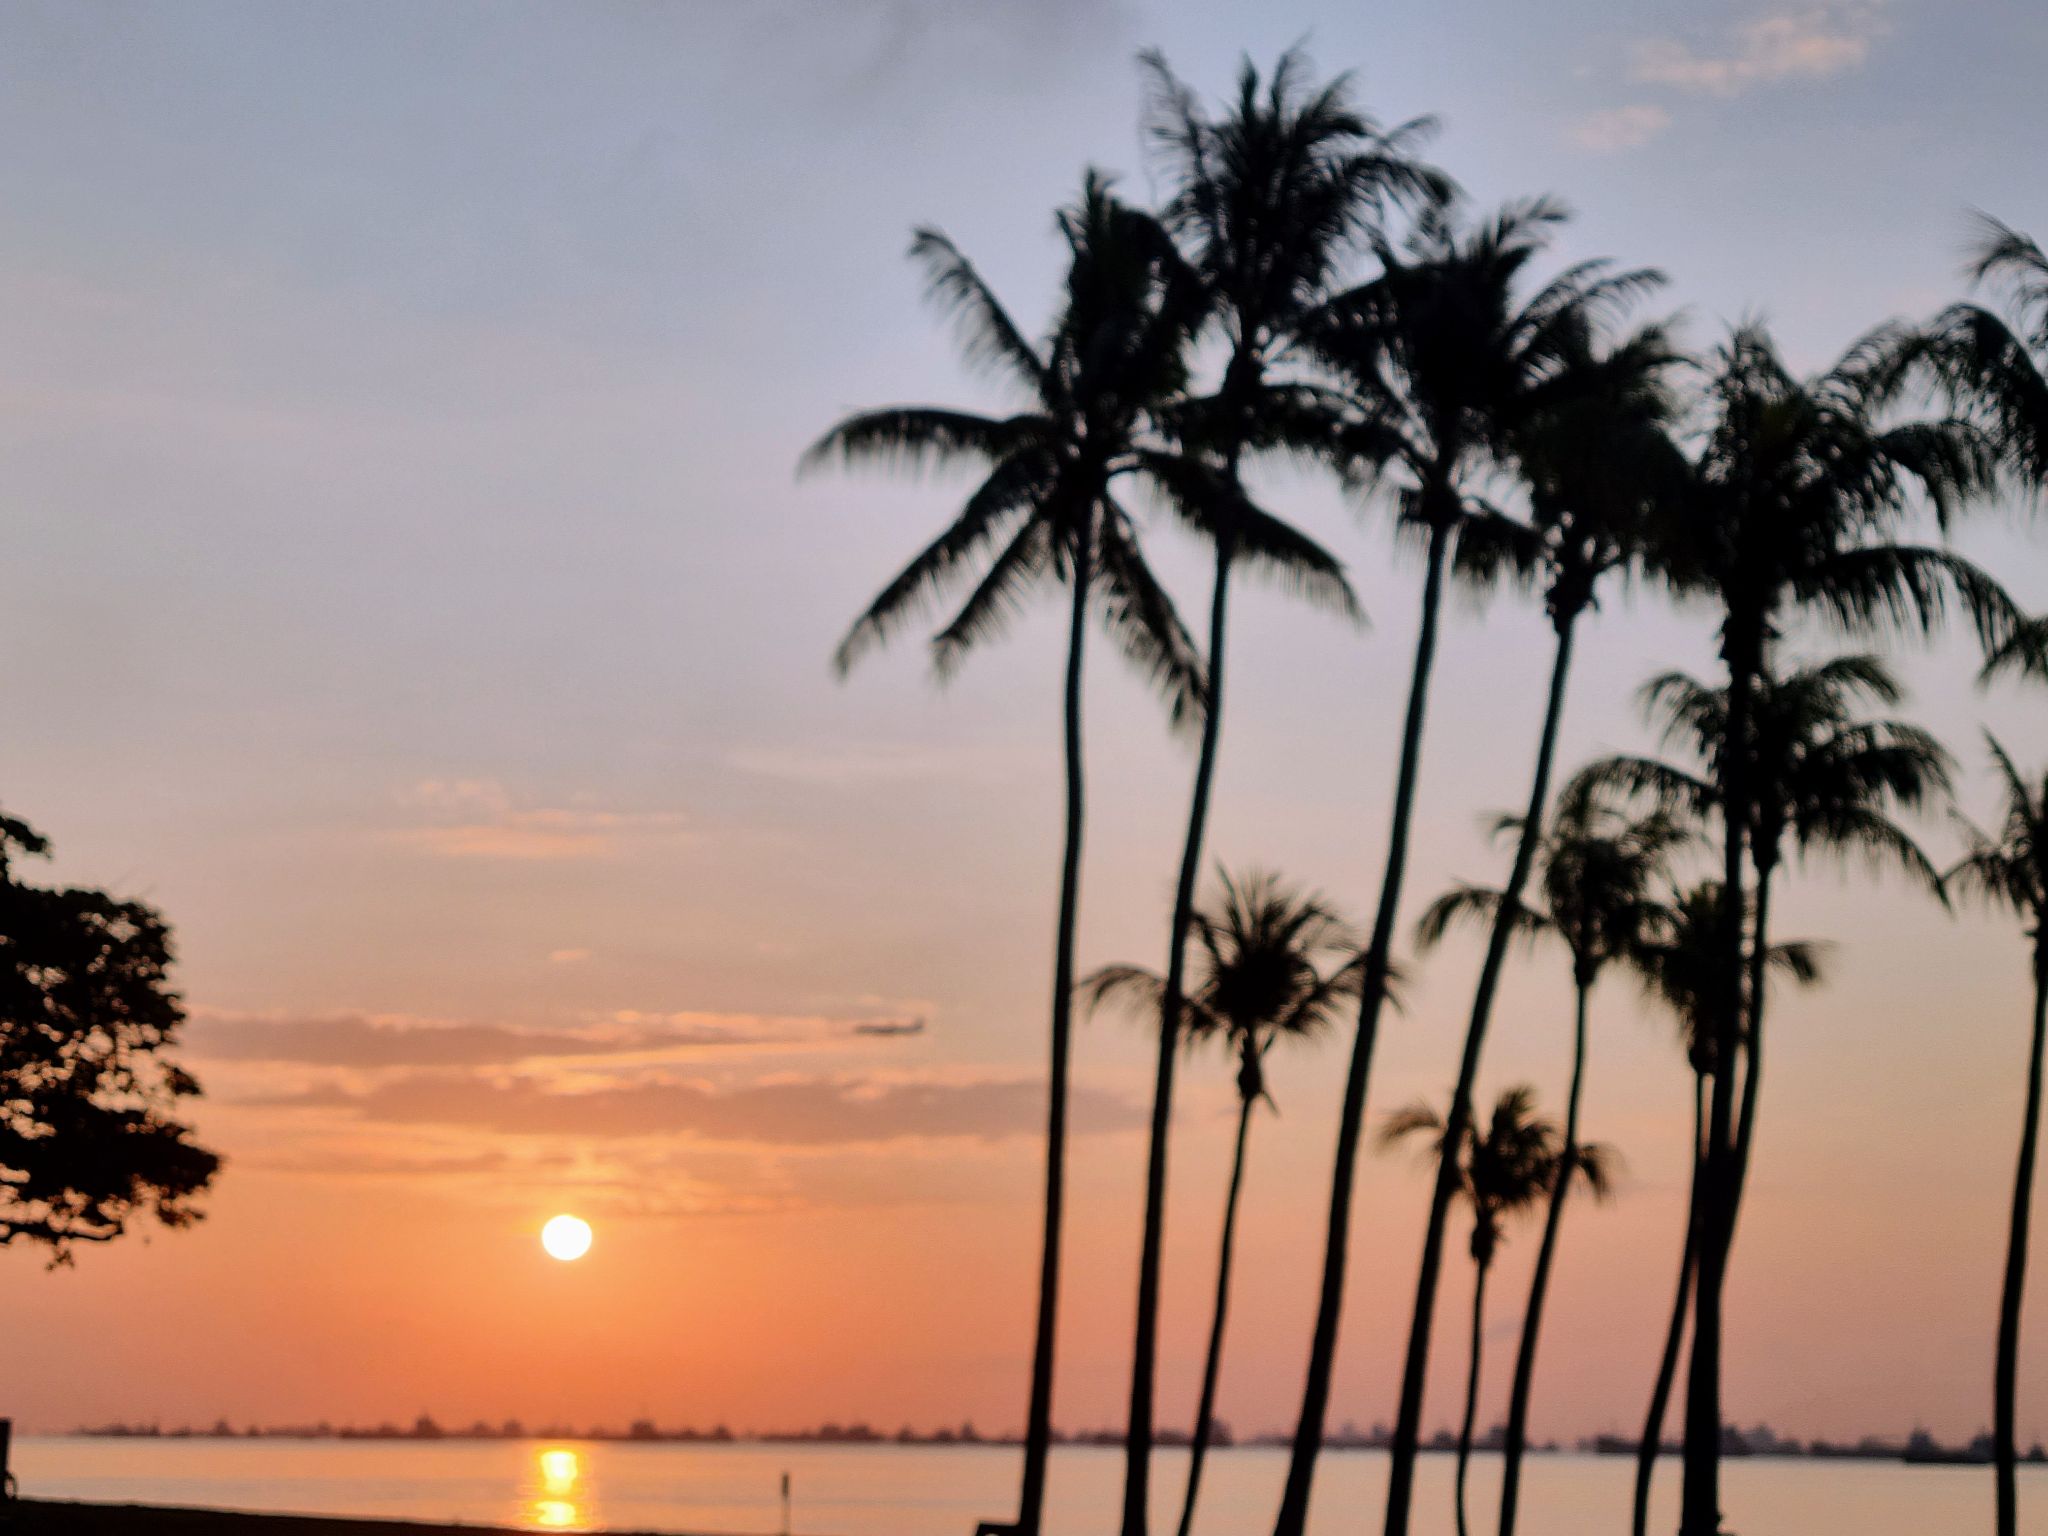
<point x="33" y="1517"/>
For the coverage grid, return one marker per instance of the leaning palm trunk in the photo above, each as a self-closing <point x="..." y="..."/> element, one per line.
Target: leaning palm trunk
<point x="1667" y="1366"/>
<point x="2004" y="1450"/>
<point x="1145" y="1349"/>
<point x="1753" y="1048"/>
<point x="1471" y="1392"/>
<point x="1038" y="1423"/>
<point x="1205" y="1409"/>
<point x="1408" y="1422"/>
<point x="1315" y="1399"/>
<point x="1539" y="1285"/>
<point x="1700" y="1502"/>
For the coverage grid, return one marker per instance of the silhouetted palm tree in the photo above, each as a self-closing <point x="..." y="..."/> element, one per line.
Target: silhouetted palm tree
<point x="1272" y="965"/>
<point x="1046" y="509"/>
<point x="1599" y="873"/>
<point x="1825" y="782"/>
<point x="1269" y="200"/>
<point x="1995" y="365"/>
<point x="1500" y="1173"/>
<point x="1590" y="443"/>
<point x="1801" y="489"/>
<point x="1441" y="364"/>
<point x="1682" y="964"/>
<point x="2010" y="869"/>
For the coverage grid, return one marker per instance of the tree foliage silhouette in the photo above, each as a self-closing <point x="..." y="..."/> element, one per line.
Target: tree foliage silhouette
<point x="1682" y="965"/>
<point x="1047" y="510"/>
<point x="1598" y="872"/>
<point x="2009" y="869"/>
<point x="1269" y="199"/>
<point x="1500" y="1170"/>
<point x="1271" y="965"/>
<point x="1455" y="377"/>
<point x="1799" y="496"/>
<point x="89" y="1135"/>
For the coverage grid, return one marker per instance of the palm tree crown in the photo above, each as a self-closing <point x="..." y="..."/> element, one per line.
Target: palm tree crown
<point x="1802" y="487"/>
<point x="1823" y="779"/>
<point x="1444" y="365"/>
<point x="1680" y="964"/>
<point x="1994" y="362"/>
<point x="1045" y="506"/>
<point x="1597" y="869"/>
<point x="2009" y="868"/>
<point x="1504" y="1167"/>
<point x="1271" y="963"/>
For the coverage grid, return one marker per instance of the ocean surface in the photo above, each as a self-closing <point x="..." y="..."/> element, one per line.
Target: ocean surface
<point x="932" y="1491"/>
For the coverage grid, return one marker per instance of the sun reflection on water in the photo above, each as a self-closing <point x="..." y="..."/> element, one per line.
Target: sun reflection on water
<point x="559" y="1506"/>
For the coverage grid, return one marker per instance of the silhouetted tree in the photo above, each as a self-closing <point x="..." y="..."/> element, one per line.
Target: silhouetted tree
<point x="1047" y="510"/>
<point x="1681" y="964"/>
<point x="1439" y="364"/>
<point x="1995" y="364"/>
<point x="2010" y="869"/>
<point x="1269" y="199"/>
<point x="89" y="1138"/>
<point x="1598" y="873"/>
<point x="1826" y="783"/>
<point x="1800" y="492"/>
<point x="1271" y="965"/>
<point x="1450" y="371"/>
<point x="1591" y="446"/>
<point x="1500" y="1173"/>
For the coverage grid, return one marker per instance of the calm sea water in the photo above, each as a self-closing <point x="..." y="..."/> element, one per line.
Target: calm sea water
<point x="923" y="1491"/>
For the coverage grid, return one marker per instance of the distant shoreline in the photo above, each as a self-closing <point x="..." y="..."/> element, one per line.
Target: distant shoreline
<point x="1918" y="1449"/>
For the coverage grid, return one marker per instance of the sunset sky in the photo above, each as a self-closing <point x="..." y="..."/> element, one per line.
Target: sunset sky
<point x="409" y="590"/>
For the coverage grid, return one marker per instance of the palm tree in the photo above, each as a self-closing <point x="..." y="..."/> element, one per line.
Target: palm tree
<point x="1800" y="492"/>
<point x="1269" y="200"/>
<point x="1681" y="965"/>
<point x="1272" y="964"/>
<point x="1825" y="782"/>
<point x="1590" y="442"/>
<point x="1499" y="1173"/>
<point x="1598" y="872"/>
<point x="1995" y="364"/>
<point x="1440" y="364"/>
<point x="1046" y="509"/>
<point x="2010" y="870"/>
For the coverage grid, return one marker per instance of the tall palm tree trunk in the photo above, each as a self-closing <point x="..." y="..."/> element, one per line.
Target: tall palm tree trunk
<point x="1753" y="1047"/>
<point x="1205" y="1409"/>
<point x="1471" y="1392"/>
<point x="1038" y="1420"/>
<point x="1145" y="1348"/>
<point x="1408" y="1421"/>
<point x="1315" y="1397"/>
<point x="1700" y="1502"/>
<point x="2004" y="1449"/>
<point x="1651" y="1444"/>
<point x="1539" y="1285"/>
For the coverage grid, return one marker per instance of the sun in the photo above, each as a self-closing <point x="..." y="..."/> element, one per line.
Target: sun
<point x="566" y="1237"/>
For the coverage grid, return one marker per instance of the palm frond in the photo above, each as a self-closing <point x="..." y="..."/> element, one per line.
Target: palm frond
<point x="1140" y="616"/>
<point x="988" y="335"/>
<point x="996" y="599"/>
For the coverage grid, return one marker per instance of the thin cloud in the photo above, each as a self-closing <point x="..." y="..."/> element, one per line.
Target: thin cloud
<point x="839" y="766"/>
<point x="1814" y="43"/>
<point x="371" y="1042"/>
<point x="798" y="1113"/>
<point x="1618" y="128"/>
<point x="481" y="819"/>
